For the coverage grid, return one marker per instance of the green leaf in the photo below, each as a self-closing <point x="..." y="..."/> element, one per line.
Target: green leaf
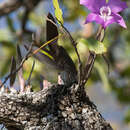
<point x="94" y="45"/>
<point x="36" y="19"/>
<point x="19" y="55"/>
<point x="58" y="11"/>
<point x="4" y="67"/>
<point x="127" y="116"/>
<point x="103" y="75"/>
<point x="47" y="54"/>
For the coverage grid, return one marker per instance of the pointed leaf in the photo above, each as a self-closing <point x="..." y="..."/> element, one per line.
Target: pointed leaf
<point x="52" y="32"/>
<point x="19" y="56"/>
<point x="58" y="11"/>
<point x="29" y="78"/>
<point x="13" y="68"/>
<point x="51" y="28"/>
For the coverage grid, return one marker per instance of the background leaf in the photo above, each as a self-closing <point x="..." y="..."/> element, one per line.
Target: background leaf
<point x="103" y="75"/>
<point x="5" y="35"/>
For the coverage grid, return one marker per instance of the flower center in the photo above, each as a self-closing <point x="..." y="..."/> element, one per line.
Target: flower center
<point x="105" y="12"/>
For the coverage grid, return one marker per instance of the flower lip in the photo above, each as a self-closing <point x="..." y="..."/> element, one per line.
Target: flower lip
<point x="105" y="12"/>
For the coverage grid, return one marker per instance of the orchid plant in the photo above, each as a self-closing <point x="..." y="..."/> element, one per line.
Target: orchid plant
<point x="105" y="12"/>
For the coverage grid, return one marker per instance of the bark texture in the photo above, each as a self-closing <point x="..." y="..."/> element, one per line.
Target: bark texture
<point x="56" y="108"/>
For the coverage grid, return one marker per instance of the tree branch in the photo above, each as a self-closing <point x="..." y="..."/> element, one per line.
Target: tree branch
<point x="58" y="107"/>
<point x="9" y="6"/>
<point x="88" y="67"/>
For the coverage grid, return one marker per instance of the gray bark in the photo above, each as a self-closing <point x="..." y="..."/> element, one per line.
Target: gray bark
<point x="56" y="108"/>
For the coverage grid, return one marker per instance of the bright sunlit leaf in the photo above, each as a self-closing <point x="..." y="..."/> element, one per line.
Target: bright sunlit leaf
<point x="58" y="11"/>
<point x="47" y="54"/>
<point x="93" y="45"/>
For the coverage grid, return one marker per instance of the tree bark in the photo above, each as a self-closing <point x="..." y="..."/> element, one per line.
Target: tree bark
<point x="58" y="107"/>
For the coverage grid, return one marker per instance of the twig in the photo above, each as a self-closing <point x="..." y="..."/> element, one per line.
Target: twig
<point x="9" y="6"/>
<point x="51" y="21"/>
<point x="87" y="71"/>
<point x="29" y="78"/>
<point x="89" y="66"/>
<point x="74" y="44"/>
<point x="45" y="44"/>
<point x="19" y="67"/>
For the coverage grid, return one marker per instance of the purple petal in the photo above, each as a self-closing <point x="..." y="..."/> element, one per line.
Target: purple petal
<point x="117" y="5"/>
<point x="119" y="20"/>
<point x="93" y="5"/>
<point x="115" y="18"/>
<point x="108" y="22"/>
<point x="94" y="17"/>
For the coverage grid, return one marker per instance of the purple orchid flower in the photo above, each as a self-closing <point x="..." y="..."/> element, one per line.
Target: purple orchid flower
<point x="105" y="13"/>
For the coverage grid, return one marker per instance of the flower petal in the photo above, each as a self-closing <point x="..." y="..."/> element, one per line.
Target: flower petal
<point x="117" y="5"/>
<point x="115" y="18"/>
<point x="93" y="5"/>
<point x="119" y="20"/>
<point x="108" y="22"/>
<point x="94" y="17"/>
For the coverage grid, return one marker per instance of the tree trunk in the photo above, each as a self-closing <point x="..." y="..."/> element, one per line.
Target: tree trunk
<point x="55" y="108"/>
